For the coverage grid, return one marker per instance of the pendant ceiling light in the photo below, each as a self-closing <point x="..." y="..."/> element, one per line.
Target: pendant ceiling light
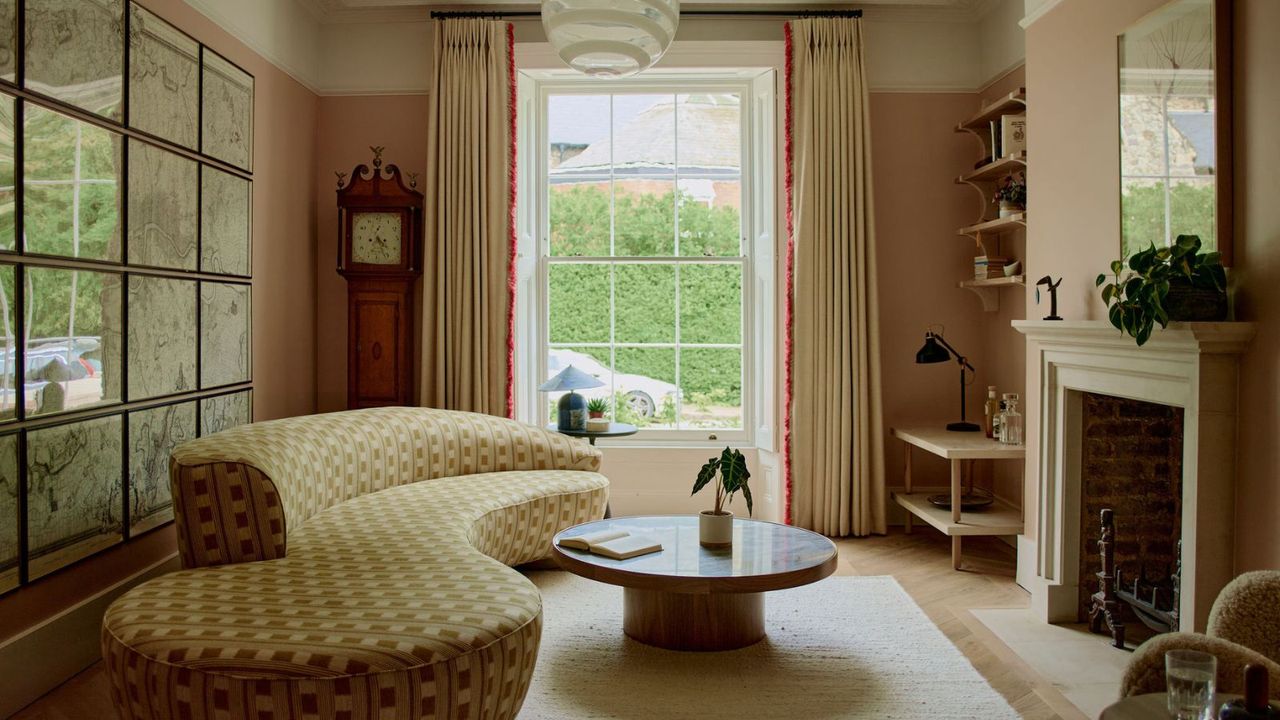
<point x="610" y="38"/>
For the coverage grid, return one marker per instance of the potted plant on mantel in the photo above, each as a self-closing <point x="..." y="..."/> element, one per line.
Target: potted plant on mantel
<point x="1011" y="196"/>
<point x="715" y="526"/>
<point x="1171" y="283"/>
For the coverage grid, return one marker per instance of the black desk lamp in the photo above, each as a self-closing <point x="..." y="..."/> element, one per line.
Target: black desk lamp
<point x="934" y="352"/>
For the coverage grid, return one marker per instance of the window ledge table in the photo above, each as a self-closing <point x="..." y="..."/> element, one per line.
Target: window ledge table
<point x="615" y="430"/>
<point x="1001" y="518"/>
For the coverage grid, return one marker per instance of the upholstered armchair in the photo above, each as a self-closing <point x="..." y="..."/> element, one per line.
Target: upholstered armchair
<point x="1244" y="629"/>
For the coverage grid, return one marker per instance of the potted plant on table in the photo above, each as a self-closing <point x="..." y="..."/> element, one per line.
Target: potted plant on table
<point x="1170" y="283"/>
<point x="596" y="407"/>
<point x="729" y="473"/>
<point x="1011" y="196"/>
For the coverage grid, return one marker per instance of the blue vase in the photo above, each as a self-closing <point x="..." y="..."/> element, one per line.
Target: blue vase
<point x="572" y="412"/>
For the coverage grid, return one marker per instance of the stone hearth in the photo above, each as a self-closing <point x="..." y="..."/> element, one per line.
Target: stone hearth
<point x="1192" y="366"/>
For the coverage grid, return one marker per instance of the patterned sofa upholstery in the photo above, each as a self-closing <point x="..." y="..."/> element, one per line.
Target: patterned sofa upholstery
<point x="351" y="565"/>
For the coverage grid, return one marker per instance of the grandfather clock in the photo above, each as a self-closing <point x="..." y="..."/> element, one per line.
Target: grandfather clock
<point x="380" y="255"/>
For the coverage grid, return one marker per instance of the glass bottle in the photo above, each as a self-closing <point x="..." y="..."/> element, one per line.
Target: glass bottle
<point x="991" y="409"/>
<point x="1011" y="421"/>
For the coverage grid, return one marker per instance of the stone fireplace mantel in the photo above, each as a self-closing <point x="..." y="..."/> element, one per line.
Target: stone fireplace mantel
<point x="1194" y="366"/>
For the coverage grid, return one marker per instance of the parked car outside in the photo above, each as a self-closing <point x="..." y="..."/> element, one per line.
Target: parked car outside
<point x="644" y="395"/>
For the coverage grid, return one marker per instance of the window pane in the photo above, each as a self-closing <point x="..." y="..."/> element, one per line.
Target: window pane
<point x="1191" y="206"/>
<point x="579" y="304"/>
<point x="710" y="135"/>
<point x="711" y="304"/>
<point x="580" y="220"/>
<point x="72" y="178"/>
<point x="591" y="360"/>
<point x="644" y="385"/>
<point x="644" y="135"/>
<point x="711" y="386"/>
<point x="1142" y="210"/>
<point x="578" y="134"/>
<point x="710" y="218"/>
<point x="8" y="345"/>
<point x="645" y="302"/>
<point x="644" y="213"/>
<point x="73" y="340"/>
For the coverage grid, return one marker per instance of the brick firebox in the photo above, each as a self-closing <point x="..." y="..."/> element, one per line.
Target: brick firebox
<point x="1131" y="462"/>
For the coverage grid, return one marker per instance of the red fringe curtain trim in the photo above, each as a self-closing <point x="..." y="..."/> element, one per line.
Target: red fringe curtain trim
<point x="788" y="183"/>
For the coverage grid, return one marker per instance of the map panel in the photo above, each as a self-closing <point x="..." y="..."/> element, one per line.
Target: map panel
<point x="71" y="185"/>
<point x="75" y="52"/>
<point x="73" y="492"/>
<point x="224" y="339"/>
<point x="224" y="222"/>
<point x="9" y="39"/>
<point x="162" y="336"/>
<point x="163" y="208"/>
<point x="73" y="347"/>
<point x="153" y="434"/>
<point x="224" y="412"/>
<point x="228" y="112"/>
<point x="164" y="86"/>
<point x="8" y="512"/>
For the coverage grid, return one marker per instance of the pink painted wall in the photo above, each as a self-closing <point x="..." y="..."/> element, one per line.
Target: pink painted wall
<point x="347" y="127"/>
<point x="284" y="296"/>
<point x="916" y="158"/>
<point x="1074" y="211"/>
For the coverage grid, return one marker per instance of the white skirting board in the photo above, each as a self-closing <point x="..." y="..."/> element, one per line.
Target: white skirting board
<point x="47" y="655"/>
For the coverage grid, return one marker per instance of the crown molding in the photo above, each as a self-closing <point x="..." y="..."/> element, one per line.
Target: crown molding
<point x="235" y="25"/>
<point x="1038" y="13"/>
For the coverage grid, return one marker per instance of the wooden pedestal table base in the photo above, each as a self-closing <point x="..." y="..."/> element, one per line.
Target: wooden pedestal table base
<point x="688" y="597"/>
<point x="693" y="621"/>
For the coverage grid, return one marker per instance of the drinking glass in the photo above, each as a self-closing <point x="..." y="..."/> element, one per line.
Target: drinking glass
<point x="1189" y="677"/>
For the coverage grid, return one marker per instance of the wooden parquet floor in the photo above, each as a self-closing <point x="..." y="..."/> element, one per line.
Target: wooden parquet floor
<point x="921" y="562"/>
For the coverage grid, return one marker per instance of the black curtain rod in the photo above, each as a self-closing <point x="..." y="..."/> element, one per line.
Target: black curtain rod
<point x="499" y="14"/>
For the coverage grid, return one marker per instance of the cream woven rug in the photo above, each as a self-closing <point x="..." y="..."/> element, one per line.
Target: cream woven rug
<point x="845" y="647"/>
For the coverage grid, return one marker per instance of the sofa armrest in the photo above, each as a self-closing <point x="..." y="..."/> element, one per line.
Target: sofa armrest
<point x="1145" y="672"/>
<point x="226" y="513"/>
<point x="1247" y="612"/>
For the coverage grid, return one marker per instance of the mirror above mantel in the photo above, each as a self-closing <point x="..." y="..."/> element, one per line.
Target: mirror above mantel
<point x="1175" y="127"/>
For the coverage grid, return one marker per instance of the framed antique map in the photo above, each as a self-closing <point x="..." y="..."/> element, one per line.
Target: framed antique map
<point x="162" y="336"/>
<point x="224" y="222"/>
<point x="227" y="111"/>
<point x="125" y="286"/>
<point x="164" y="204"/>
<point x="75" y="53"/>
<point x="153" y="434"/>
<point x="164" y="79"/>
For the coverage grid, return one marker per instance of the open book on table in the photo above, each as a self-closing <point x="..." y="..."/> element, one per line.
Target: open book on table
<point x="616" y="544"/>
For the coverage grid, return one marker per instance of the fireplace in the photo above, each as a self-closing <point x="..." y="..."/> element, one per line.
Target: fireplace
<point x="1084" y="373"/>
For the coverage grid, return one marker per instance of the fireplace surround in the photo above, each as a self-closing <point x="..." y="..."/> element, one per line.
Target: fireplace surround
<point x="1192" y="366"/>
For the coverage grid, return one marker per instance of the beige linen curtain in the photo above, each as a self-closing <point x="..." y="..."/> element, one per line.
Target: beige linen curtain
<point x="836" y="459"/>
<point x="469" y="197"/>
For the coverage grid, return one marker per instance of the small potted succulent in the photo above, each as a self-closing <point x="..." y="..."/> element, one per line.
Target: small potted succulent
<point x="596" y="407"/>
<point x="1170" y="283"/>
<point x="729" y="473"/>
<point x="1011" y="196"/>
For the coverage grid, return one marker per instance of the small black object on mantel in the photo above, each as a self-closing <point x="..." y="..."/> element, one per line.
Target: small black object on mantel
<point x="1254" y="705"/>
<point x="1053" y="295"/>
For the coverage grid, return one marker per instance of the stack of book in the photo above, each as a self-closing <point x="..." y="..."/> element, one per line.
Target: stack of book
<point x="985" y="267"/>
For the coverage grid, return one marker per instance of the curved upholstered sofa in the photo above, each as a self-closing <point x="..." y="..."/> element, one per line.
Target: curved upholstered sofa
<point x="351" y="565"/>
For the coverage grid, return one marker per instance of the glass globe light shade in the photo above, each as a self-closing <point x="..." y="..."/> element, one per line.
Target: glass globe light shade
<point x="610" y="38"/>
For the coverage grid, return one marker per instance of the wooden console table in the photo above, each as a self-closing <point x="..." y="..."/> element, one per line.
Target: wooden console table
<point x="1001" y="518"/>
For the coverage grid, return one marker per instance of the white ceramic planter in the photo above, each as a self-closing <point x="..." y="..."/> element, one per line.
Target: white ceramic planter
<point x="715" y="531"/>
<point x="1007" y="209"/>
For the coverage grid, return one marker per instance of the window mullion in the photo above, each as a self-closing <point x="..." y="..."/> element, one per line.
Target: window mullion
<point x="613" y="270"/>
<point x="675" y="200"/>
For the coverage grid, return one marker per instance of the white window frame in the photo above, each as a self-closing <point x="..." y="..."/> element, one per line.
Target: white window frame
<point x="756" y="88"/>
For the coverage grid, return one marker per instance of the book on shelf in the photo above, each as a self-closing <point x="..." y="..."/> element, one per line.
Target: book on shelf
<point x="985" y="267"/>
<point x="997" y="151"/>
<point x="615" y="544"/>
<point x="1013" y="134"/>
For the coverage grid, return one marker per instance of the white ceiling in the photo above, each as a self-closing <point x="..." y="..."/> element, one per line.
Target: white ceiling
<point x="336" y="11"/>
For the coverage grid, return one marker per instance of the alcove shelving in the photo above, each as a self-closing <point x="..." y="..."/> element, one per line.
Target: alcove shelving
<point x="985" y="179"/>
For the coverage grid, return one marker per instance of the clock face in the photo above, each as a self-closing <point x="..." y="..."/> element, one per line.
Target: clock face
<point x="375" y="238"/>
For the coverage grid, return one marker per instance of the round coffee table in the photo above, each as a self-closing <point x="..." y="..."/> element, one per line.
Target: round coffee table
<point x="688" y="597"/>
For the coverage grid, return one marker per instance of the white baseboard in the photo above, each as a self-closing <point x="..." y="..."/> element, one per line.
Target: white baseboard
<point x="47" y="655"/>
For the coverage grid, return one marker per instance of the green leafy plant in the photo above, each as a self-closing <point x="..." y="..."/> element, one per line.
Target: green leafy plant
<point x="730" y="474"/>
<point x="1137" y="301"/>
<point x="597" y="405"/>
<point x="1012" y="190"/>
